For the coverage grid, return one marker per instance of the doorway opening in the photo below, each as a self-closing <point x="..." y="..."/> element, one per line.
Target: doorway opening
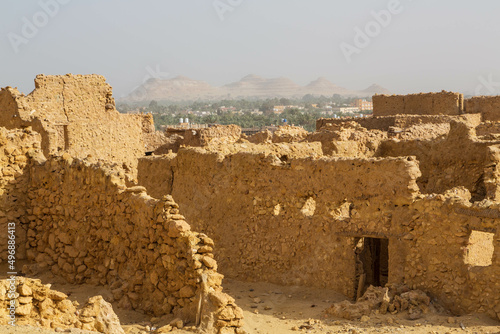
<point x="372" y="263"/>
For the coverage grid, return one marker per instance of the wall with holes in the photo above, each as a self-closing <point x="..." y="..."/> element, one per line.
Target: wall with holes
<point x="297" y="221"/>
<point x="280" y="220"/>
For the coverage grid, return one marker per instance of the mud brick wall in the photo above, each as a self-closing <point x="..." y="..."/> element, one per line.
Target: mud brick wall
<point x="487" y="106"/>
<point x="85" y="225"/>
<point x="75" y="114"/>
<point x="443" y="103"/>
<point x="275" y="220"/>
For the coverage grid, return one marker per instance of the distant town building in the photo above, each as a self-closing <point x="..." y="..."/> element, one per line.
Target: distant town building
<point x="345" y="110"/>
<point x="227" y="109"/>
<point x="278" y="109"/>
<point x="363" y="105"/>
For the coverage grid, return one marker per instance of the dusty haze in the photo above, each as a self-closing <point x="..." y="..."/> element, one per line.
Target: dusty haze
<point x="420" y="46"/>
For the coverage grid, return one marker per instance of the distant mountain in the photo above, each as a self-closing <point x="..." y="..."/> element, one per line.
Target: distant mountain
<point x="251" y="86"/>
<point x="255" y="86"/>
<point x="178" y="88"/>
<point x="376" y="89"/>
<point x="323" y="86"/>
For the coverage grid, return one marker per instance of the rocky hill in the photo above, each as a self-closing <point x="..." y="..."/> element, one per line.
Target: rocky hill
<point x="251" y="86"/>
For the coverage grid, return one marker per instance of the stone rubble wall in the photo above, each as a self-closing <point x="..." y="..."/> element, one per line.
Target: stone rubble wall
<point x="17" y="147"/>
<point x="85" y="225"/>
<point x="275" y="220"/>
<point x="443" y="103"/>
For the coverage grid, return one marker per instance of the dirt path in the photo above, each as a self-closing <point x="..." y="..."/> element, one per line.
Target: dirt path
<point x="274" y="309"/>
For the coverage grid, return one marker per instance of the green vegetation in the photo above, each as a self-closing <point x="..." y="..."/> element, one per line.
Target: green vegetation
<point x="245" y="113"/>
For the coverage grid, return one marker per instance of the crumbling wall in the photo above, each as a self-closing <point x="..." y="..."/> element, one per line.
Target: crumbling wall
<point x="261" y="137"/>
<point x="384" y="123"/>
<point x="215" y="135"/>
<point x="276" y="221"/>
<point x="371" y="123"/>
<point x="152" y="139"/>
<point x="75" y="114"/>
<point x="289" y="134"/>
<point x="17" y="147"/>
<point x="487" y="106"/>
<point x="38" y="305"/>
<point x="443" y="103"/>
<point x="87" y="226"/>
<point x="488" y="130"/>
<point x="347" y="139"/>
<point x="457" y="159"/>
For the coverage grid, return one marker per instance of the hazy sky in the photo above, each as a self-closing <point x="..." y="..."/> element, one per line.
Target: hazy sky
<point x="419" y="45"/>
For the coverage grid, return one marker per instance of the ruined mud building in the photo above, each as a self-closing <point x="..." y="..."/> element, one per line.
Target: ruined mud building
<point x="411" y="193"/>
<point x="407" y="196"/>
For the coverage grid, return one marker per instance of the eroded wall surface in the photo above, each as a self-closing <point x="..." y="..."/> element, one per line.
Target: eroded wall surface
<point x="443" y="103"/>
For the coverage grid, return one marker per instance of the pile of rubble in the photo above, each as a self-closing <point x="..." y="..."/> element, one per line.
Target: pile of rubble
<point x="392" y="299"/>
<point x="30" y="302"/>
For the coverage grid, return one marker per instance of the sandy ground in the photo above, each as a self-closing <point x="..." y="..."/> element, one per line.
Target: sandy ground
<point x="270" y="309"/>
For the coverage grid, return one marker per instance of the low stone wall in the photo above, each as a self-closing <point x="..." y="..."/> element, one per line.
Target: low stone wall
<point x="40" y="306"/>
<point x="443" y="103"/>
